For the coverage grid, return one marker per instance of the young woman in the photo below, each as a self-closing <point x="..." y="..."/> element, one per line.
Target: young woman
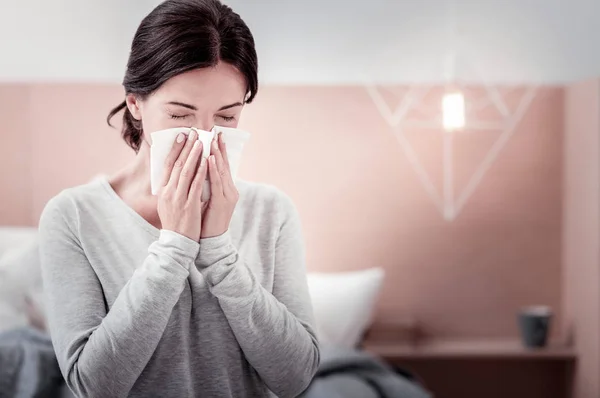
<point x="166" y="296"/>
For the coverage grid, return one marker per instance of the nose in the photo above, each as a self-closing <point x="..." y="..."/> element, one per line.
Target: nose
<point x="206" y="125"/>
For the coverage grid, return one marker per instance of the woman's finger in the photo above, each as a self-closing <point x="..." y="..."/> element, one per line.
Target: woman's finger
<point x="195" y="195"/>
<point x="216" y="184"/>
<point x="172" y="158"/>
<point x="223" y="166"/>
<point x="190" y="169"/>
<point x="218" y="157"/>
<point x="181" y="159"/>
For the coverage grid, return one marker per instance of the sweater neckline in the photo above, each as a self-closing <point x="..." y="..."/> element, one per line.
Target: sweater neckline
<point x="128" y="209"/>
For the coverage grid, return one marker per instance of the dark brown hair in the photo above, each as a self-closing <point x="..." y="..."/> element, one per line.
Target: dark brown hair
<point x="176" y="37"/>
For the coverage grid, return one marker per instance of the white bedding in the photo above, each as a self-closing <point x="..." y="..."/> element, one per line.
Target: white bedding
<point x="20" y="276"/>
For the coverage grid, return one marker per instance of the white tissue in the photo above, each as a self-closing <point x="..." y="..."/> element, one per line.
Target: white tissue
<point x="163" y="140"/>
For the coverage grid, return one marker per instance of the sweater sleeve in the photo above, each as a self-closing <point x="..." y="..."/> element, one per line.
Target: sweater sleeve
<point x="101" y="353"/>
<point x="275" y="330"/>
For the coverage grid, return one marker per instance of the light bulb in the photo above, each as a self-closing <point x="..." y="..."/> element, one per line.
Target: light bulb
<point x="453" y="109"/>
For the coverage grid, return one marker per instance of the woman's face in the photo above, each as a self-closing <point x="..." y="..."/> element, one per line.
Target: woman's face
<point x="200" y="98"/>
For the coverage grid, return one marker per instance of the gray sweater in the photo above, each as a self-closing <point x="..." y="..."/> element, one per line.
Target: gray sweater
<point x="137" y="311"/>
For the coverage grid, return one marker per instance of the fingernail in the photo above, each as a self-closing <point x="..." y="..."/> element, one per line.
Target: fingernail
<point x="192" y="135"/>
<point x="203" y="162"/>
<point x="180" y="138"/>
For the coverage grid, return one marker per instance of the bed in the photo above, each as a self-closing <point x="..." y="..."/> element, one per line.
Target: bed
<point x="343" y="304"/>
<point x="28" y="366"/>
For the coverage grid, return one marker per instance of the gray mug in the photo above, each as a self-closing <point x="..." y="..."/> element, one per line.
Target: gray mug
<point x="534" y="323"/>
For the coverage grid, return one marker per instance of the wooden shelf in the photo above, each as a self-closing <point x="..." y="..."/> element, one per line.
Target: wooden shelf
<point x="468" y="349"/>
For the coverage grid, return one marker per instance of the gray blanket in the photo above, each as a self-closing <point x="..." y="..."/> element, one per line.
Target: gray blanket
<point x="28" y="366"/>
<point x="345" y="373"/>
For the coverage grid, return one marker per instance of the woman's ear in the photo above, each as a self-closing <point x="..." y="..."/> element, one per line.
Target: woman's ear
<point x="133" y="104"/>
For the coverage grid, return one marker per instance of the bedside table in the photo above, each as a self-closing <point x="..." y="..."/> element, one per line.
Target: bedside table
<point x="483" y="368"/>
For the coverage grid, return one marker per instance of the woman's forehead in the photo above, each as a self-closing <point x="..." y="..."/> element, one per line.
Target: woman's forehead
<point x="222" y="83"/>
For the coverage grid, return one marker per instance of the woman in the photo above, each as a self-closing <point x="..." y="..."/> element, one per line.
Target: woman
<point x="166" y="296"/>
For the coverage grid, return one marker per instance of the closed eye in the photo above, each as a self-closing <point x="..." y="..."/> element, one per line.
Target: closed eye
<point x="228" y="118"/>
<point x="173" y="116"/>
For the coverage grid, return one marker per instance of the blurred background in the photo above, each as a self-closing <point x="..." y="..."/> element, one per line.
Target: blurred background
<point x="452" y="144"/>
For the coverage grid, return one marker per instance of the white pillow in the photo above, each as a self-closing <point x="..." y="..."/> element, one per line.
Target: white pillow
<point x="13" y="313"/>
<point x="20" y="278"/>
<point x="343" y="303"/>
<point x="13" y="237"/>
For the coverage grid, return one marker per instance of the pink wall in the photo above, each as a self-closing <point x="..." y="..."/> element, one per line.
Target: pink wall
<point x="363" y="206"/>
<point x="72" y="142"/>
<point x="15" y="155"/>
<point x="360" y="200"/>
<point x="581" y="239"/>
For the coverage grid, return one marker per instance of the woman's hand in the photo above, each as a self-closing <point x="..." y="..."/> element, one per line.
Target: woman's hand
<point x="223" y="193"/>
<point x="179" y="199"/>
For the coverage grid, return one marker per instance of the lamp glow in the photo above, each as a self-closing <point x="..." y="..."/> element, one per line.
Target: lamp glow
<point x="453" y="108"/>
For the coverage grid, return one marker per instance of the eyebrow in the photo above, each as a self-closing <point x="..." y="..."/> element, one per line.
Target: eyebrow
<point x="192" y="107"/>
